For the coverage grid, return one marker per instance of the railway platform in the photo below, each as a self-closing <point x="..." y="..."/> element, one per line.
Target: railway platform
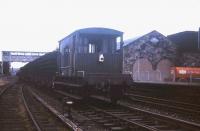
<point x="171" y="83"/>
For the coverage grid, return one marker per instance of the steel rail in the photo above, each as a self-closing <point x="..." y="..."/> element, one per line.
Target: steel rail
<point x="29" y="112"/>
<point x="66" y="121"/>
<point x="171" y="105"/>
<point x="164" y="100"/>
<point x="5" y="88"/>
<point x="135" y="123"/>
<point x="184" y="123"/>
<point x="168" y="119"/>
<point x="132" y="122"/>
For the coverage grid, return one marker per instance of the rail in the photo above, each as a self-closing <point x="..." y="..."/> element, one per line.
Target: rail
<point x="60" y="116"/>
<point x="168" y="103"/>
<point x="134" y="116"/>
<point x="165" y="117"/>
<point x="170" y="120"/>
<point x="5" y="87"/>
<point x="29" y="112"/>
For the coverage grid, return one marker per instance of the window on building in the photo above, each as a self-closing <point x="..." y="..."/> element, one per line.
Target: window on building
<point x="67" y="50"/>
<point x="91" y="48"/>
<point x="118" y="41"/>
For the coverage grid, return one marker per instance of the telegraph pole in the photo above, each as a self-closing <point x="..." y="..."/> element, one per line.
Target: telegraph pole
<point x="199" y="39"/>
<point x="2" y="62"/>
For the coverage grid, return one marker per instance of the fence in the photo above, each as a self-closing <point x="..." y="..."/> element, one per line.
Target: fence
<point x="149" y="75"/>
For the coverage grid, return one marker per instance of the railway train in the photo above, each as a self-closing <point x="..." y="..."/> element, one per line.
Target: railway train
<point x="88" y="62"/>
<point x="185" y="73"/>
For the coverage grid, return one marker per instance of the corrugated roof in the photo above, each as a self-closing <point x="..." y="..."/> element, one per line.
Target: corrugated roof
<point x="99" y="30"/>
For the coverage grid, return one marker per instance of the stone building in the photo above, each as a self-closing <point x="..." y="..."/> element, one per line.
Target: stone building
<point x="1" y="68"/>
<point x="188" y="50"/>
<point x="149" y="58"/>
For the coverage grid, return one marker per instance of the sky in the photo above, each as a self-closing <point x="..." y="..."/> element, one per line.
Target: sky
<point x="38" y="25"/>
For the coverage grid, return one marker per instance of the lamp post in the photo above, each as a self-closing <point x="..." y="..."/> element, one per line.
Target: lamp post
<point x="69" y="103"/>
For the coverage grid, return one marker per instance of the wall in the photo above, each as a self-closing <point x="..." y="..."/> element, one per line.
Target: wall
<point x="190" y="59"/>
<point x="153" y="53"/>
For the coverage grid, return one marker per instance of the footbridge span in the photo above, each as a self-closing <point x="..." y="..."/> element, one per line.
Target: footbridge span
<point x="17" y="56"/>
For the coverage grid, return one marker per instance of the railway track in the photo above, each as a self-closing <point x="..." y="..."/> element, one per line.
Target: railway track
<point x="3" y="89"/>
<point x="155" y="120"/>
<point x="43" y="115"/>
<point x="125" y="117"/>
<point x="5" y="83"/>
<point x="21" y="111"/>
<point x="181" y="110"/>
<point x="182" y="107"/>
<point x="83" y="115"/>
<point x="56" y="101"/>
<point x="12" y="114"/>
<point x="181" y="94"/>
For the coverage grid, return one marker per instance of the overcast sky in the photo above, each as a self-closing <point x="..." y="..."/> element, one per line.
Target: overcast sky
<point x="38" y="25"/>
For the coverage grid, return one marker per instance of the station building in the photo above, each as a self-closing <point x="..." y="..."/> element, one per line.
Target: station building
<point x="1" y="71"/>
<point x="149" y="57"/>
<point x="188" y="48"/>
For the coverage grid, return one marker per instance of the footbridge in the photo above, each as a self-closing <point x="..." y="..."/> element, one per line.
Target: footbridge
<point x="17" y="56"/>
<point x="20" y="56"/>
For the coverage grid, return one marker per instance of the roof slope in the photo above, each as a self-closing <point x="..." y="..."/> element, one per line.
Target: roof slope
<point x="153" y="33"/>
<point x="100" y="30"/>
<point x="186" y="41"/>
<point x="96" y="31"/>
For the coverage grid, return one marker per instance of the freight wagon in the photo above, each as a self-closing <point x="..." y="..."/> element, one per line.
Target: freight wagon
<point x="88" y="60"/>
<point x="185" y="73"/>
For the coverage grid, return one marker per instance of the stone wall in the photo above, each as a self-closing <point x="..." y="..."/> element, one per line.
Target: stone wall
<point x="143" y="71"/>
<point x="153" y="47"/>
<point x="164" y="67"/>
<point x="190" y="59"/>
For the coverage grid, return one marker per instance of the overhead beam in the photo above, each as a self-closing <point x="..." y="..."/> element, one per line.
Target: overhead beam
<point x="20" y="56"/>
